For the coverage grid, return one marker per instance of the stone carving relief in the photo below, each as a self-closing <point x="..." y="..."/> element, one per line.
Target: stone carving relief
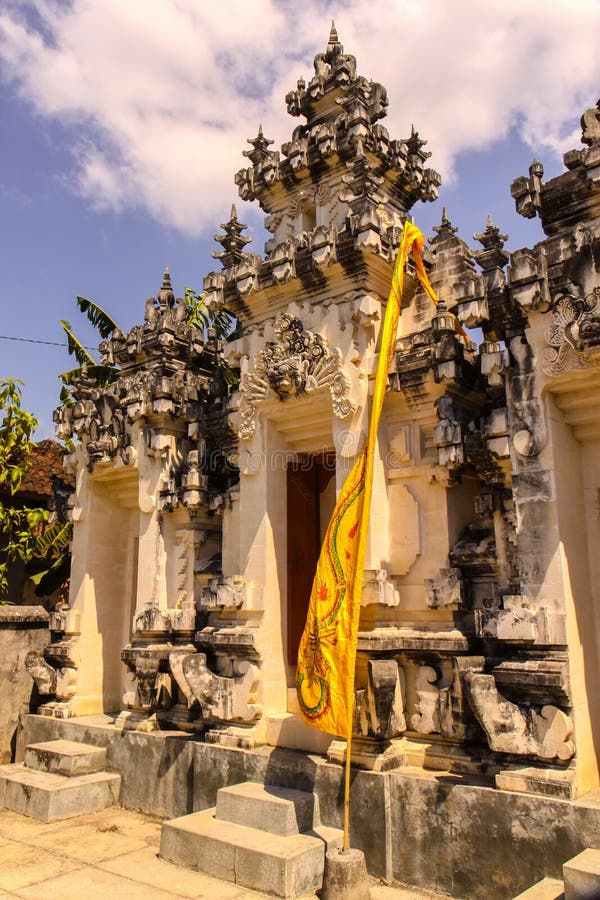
<point x="513" y="729"/>
<point x="297" y="362"/>
<point x="283" y="262"/>
<point x="151" y="621"/>
<point x="322" y="244"/>
<point x="441" y="707"/>
<point x="43" y="675"/>
<point x="444" y="592"/>
<point x="226" y="698"/>
<point x="378" y="589"/>
<point x="379" y="708"/>
<point x="574" y="318"/>
<point x="226" y="592"/>
<point x="55" y="675"/>
<point x="153" y="688"/>
<point x="427" y="718"/>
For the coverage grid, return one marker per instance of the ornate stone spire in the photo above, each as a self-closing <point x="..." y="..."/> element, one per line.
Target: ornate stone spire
<point x="445" y="226"/>
<point x="334" y="47"/>
<point x="491" y="239"/>
<point x="165" y="296"/>
<point x="493" y="257"/>
<point x="233" y="241"/>
<point x="260" y="147"/>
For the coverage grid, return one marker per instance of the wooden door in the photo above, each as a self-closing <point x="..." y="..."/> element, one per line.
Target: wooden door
<point x="306" y="480"/>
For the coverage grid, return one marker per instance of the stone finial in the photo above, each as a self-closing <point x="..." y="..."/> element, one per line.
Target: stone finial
<point x="536" y="169"/>
<point x="260" y="147"/>
<point x="526" y="192"/>
<point x="493" y="257"/>
<point x="445" y="226"/>
<point x="334" y="47"/>
<point x="233" y="241"/>
<point x="415" y="146"/>
<point x="165" y="296"/>
<point x="491" y="238"/>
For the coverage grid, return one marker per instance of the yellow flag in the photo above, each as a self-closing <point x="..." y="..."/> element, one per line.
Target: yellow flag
<point x="327" y="651"/>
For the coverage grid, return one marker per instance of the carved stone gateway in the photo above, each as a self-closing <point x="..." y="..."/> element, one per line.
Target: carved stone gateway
<point x="479" y="622"/>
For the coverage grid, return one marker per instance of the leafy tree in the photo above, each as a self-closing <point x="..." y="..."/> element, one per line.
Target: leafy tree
<point x="20" y="527"/>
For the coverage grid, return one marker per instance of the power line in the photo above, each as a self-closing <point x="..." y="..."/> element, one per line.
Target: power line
<point x="6" y="337"/>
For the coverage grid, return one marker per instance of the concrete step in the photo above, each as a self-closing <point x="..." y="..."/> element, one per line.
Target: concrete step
<point x="333" y="838"/>
<point x="276" y="810"/>
<point x="285" y="866"/>
<point x="581" y="876"/>
<point x="546" y="889"/>
<point x="65" y="758"/>
<point x="48" y="797"/>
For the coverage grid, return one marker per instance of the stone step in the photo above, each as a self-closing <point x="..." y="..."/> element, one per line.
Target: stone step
<point x="284" y="866"/>
<point x="65" y="758"/>
<point x="546" y="889"/>
<point x="333" y="838"/>
<point x="48" y="797"/>
<point x="581" y="876"/>
<point x="277" y="810"/>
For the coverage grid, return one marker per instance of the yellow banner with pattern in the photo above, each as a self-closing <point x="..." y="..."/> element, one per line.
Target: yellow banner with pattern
<point x="327" y="651"/>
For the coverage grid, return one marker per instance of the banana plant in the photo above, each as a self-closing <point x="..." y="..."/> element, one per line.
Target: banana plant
<point x="52" y="559"/>
<point x="101" y="375"/>
<point x="215" y="323"/>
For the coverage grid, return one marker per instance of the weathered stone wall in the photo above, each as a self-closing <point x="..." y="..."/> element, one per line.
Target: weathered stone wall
<point x="22" y="629"/>
<point x="427" y="829"/>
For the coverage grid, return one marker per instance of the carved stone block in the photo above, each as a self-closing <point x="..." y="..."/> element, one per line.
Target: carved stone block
<point x="427" y="718"/>
<point x="228" y="699"/>
<point x="444" y="592"/>
<point x="229" y="592"/>
<point x="522" y="731"/>
<point x="379" y="708"/>
<point x="378" y="590"/>
<point x="518" y="623"/>
<point x="43" y="674"/>
<point x="153" y="620"/>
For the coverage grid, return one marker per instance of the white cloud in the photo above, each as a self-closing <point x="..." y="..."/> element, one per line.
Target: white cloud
<point x="163" y="93"/>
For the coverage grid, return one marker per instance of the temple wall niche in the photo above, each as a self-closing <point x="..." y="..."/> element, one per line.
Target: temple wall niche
<point x="263" y="557"/>
<point x="590" y="467"/>
<point x="575" y="466"/>
<point x="104" y="597"/>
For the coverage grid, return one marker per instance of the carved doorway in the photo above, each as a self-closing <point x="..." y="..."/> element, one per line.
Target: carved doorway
<point x="310" y="503"/>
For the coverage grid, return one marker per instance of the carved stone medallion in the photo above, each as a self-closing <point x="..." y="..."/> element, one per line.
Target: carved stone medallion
<point x="576" y="321"/>
<point x="297" y="362"/>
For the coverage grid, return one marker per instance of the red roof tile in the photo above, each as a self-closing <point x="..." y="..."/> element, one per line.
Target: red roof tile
<point x="46" y="462"/>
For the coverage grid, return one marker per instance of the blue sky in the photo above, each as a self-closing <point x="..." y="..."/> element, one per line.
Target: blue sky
<point x="123" y="124"/>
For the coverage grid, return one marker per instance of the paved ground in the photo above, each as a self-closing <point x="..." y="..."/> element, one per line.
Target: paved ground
<point x="113" y="853"/>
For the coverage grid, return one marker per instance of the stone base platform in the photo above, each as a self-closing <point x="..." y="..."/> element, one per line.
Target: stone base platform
<point x="458" y="835"/>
